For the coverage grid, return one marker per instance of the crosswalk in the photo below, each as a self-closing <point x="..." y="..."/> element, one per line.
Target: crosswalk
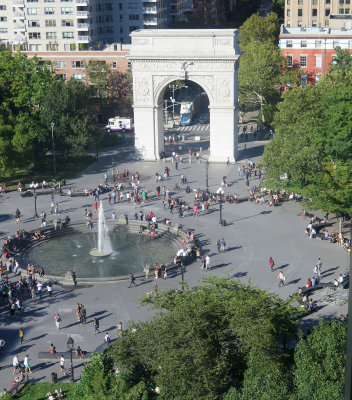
<point x="192" y="128"/>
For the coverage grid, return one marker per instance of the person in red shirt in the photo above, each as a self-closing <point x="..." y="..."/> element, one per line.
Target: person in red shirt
<point x="271" y="264"/>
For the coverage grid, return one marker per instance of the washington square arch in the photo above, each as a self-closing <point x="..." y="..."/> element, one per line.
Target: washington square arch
<point x="207" y="57"/>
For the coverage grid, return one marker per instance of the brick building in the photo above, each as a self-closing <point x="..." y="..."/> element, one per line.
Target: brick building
<point x="312" y="49"/>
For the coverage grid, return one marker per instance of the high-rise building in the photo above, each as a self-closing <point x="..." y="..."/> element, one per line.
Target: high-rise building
<point x="311" y="13"/>
<point x="71" y="25"/>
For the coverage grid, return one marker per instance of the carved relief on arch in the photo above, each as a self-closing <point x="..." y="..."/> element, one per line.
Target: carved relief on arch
<point x="224" y="90"/>
<point x="142" y="89"/>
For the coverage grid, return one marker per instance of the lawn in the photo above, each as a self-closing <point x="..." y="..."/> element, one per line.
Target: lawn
<point x="66" y="167"/>
<point x="38" y="391"/>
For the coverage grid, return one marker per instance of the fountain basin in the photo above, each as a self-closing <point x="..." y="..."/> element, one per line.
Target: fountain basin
<point x="100" y="253"/>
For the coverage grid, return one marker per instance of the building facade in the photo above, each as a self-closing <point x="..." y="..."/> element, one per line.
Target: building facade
<point x="314" y="13"/>
<point x="71" y="25"/>
<point x="313" y="49"/>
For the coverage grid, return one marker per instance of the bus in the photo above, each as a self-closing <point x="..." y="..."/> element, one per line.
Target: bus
<point x="189" y="107"/>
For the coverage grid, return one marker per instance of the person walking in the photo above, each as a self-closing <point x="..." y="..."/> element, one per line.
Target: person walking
<point x="107" y="338"/>
<point x="132" y="279"/>
<point x="119" y="329"/>
<point x="15" y="364"/>
<point x="282" y="278"/>
<point x="222" y="244"/>
<point x="271" y="264"/>
<point x="319" y="265"/>
<point x="82" y="314"/>
<point x="57" y="321"/>
<point x="207" y="263"/>
<point x="62" y="363"/>
<point x="21" y="335"/>
<point x="96" y="326"/>
<point x="106" y="177"/>
<point x="49" y="287"/>
<point x="26" y="364"/>
<point x="218" y="246"/>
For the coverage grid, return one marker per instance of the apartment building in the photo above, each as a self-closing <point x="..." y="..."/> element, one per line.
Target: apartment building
<point x="311" y="13"/>
<point x="313" y="49"/>
<point x="71" y="25"/>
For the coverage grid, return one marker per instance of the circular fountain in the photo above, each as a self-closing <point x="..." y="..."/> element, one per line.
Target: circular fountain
<point x="104" y="244"/>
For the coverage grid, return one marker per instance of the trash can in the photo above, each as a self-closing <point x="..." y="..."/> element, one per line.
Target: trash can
<point x="54" y="377"/>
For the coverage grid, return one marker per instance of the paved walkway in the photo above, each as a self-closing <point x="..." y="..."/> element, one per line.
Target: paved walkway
<point x="254" y="233"/>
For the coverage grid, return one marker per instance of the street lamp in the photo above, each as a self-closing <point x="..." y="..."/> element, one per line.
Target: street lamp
<point x="182" y="278"/>
<point x="70" y="344"/>
<point x="220" y="193"/>
<point x="52" y="138"/>
<point x="172" y="99"/>
<point x="206" y="173"/>
<point x="35" y="205"/>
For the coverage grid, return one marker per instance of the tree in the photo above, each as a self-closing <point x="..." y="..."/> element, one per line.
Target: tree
<point x="278" y="7"/>
<point x="320" y="363"/>
<point x="68" y="106"/>
<point x="120" y="91"/>
<point x="98" y="77"/>
<point x="260" y="30"/>
<point x="259" y="74"/>
<point x="206" y="334"/>
<point x="341" y="61"/>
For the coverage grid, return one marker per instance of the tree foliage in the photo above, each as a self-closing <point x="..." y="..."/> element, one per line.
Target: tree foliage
<point x="313" y="143"/>
<point x="342" y="60"/>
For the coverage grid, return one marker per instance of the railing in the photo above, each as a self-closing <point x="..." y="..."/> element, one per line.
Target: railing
<point x="18" y="3"/>
<point x="83" y="38"/>
<point x="82" y="13"/>
<point x="82" y="2"/>
<point x="20" y="27"/>
<point x="82" y="26"/>
<point x="152" y="21"/>
<point x="149" y="10"/>
<point x="19" y="15"/>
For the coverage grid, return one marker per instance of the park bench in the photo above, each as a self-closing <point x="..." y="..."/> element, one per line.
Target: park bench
<point x="44" y="355"/>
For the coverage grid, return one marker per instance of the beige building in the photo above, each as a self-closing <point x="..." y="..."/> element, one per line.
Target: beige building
<point x="311" y="13"/>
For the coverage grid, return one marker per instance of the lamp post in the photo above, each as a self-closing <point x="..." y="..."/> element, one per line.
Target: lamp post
<point x="206" y="173"/>
<point x="70" y="344"/>
<point x="182" y="278"/>
<point x="35" y="205"/>
<point x="113" y="170"/>
<point x="221" y="193"/>
<point x="52" y="138"/>
<point x="348" y="369"/>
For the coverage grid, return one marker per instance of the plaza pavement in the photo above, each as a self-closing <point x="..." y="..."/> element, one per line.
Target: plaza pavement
<point x="253" y="234"/>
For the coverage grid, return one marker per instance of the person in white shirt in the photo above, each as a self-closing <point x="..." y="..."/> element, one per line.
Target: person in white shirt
<point x="15" y="364"/>
<point x="207" y="263"/>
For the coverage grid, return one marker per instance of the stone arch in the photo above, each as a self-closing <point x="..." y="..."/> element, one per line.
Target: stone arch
<point x="205" y="56"/>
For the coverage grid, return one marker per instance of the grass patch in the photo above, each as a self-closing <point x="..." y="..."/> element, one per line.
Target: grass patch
<point x="38" y="391"/>
<point x="110" y="139"/>
<point x="66" y="167"/>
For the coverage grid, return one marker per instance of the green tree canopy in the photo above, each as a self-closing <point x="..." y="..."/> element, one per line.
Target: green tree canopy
<point x="342" y="60"/>
<point x="200" y="341"/>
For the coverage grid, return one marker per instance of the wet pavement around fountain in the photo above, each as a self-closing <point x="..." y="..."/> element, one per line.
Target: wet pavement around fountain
<point x="253" y="234"/>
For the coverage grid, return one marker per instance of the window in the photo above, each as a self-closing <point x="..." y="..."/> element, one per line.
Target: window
<point x="314" y="12"/>
<point x="350" y="44"/>
<point x="62" y="76"/>
<point x="289" y="61"/>
<point x="49" y="1"/>
<point x="51" y="35"/>
<point x="32" y="11"/>
<point x="3" y="30"/>
<point x="77" y="64"/>
<point x="49" y="10"/>
<point x="300" y="2"/>
<point x="32" y="1"/>
<point x="288" y="12"/>
<point x="303" y="43"/>
<point x="336" y="43"/>
<point x="347" y="1"/>
<point x="67" y="22"/>
<point x="2" y="8"/>
<point x="134" y="6"/>
<point x="318" y="61"/>
<point x="66" y="10"/>
<point x="314" y="23"/>
<point x="121" y="29"/>
<point x="60" y="64"/>
<point x="33" y="24"/>
<point x="50" y="22"/>
<point x="66" y="1"/>
<point x="327" y="12"/>
<point x="288" y="24"/>
<point x="108" y="18"/>
<point x="120" y="6"/>
<point x="314" y="2"/>
<point x="68" y="35"/>
<point x="326" y="23"/>
<point x="35" y="47"/>
<point x="133" y="17"/>
<point x="299" y="23"/>
<point x="347" y="10"/>
<point x="133" y="28"/>
<point x="114" y="64"/>
<point x="3" y="19"/>
<point x="108" y="6"/>
<point x="341" y="2"/>
<point x="109" y="29"/>
<point x="121" y="17"/>
<point x="300" y="12"/>
<point x="303" y="79"/>
<point x="318" y="44"/>
<point x="34" y="35"/>
<point x="317" y="78"/>
<point x="79" y="77"/>
<point x="327" y="2"/>
<point x="303" y="61"/>
<point x="52" y="47"/>
<point x="288" y="43"/>
<point x="340" y="11"/>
